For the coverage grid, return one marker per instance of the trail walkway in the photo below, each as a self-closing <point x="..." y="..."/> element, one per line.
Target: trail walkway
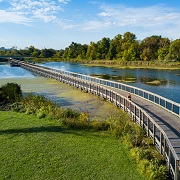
<point x="167" y="121"/>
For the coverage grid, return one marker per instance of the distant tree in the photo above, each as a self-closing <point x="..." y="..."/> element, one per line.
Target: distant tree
<point x="174" y="50"/>
<point x="47" y="53"/>
<point x="91" y="51"/>
<point x="82" y="50"/>
<point x="151" y="45"/>
<point x="132" y="53"/>
<point x="128" y="39"/>
<point x="65" y="55"/>
<point x="36" y="53"/>
<point x="162" y="53"/>
<point x="130" y="47"/>
<point x="117" y="42"/>
<point x="103" y="48"/>
<point x="112" y="51"/>
<point x="59" y="53"/>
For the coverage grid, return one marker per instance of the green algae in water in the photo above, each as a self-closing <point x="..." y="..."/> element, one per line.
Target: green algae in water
<point x="66" y="96"/>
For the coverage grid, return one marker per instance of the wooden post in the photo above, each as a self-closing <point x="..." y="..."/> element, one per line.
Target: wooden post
<point x="115" y="99"/>
<point x="177" y="173"/>
<point x="148" y="126"/>
<point x="164" y="148"/>
<point x="124" y="103"/>
<point x="154" y="134"/>
<point x="134" y="113"/>
<point x="160" y="142"/>
<point x="169" y="159"/>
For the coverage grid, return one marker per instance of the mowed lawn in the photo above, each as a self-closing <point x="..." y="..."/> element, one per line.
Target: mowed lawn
<point x="40" y="149"/>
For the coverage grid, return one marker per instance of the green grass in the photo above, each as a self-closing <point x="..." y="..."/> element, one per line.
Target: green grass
<point x="33" y="148"/>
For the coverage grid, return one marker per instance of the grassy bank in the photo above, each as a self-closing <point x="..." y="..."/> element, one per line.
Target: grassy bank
<point x="33" y="148"/>
<point x="136" y="64"/>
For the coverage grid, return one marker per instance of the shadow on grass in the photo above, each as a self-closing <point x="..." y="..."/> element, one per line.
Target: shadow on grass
<point x="53" y="129"/>
<point x="38" y="130"/>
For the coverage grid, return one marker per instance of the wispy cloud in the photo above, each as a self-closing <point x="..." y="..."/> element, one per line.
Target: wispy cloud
<point x="27" y="11"/>
<point x="14" y="17"/>
<point x="153" y="17"/>
<point x="64" y="1"/>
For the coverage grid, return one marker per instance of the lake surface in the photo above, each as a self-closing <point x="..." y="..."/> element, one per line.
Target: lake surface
<point x="169" y="86"/>
<point x="168" y="81"/>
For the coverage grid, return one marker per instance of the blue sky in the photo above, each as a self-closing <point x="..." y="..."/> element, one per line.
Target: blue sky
<point x="57" y="23"/>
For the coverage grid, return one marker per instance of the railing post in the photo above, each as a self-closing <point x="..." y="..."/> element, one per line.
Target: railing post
<point x="124" y="103"/>
<point x="134" y="119"/>
<point x="160" y="142"/>
<point x="147" y="126"/>
<point x="140" y="117"/>
<point x="169" y="159"/>
<point x="177" y="173"/>
<point x="164" y="148"/>
<point x="154" y="133"/>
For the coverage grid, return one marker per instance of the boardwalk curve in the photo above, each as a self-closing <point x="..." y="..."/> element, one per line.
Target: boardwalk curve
<point x="158" y="116"/>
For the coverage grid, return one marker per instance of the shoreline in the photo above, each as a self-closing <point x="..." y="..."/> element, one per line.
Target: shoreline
<point x="136" y="65"/>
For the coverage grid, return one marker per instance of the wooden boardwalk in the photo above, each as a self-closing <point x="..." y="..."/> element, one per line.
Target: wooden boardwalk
<point x="160" y="123"/>
<point x="167" y="121"/>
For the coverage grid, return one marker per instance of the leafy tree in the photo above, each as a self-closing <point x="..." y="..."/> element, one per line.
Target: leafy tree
<point x="162" y="53"/>
<point x="59" y="53"/>
<point x="151" y="45"/>
<point x="132" y="53"/>
<point x="117" y="43"/>
<point x="174" y="50"/>
<point x="128" y="39"/>
<point x="103" y="48"/>
<point x="47" y="53"/>
<point x="36" y="53"/>
<point x="65" y="55"/>
<point x="91" y="51"/>
<point x="82" y="50"/>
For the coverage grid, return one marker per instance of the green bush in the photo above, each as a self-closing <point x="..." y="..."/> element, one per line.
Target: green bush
<point x="10" y="93"/>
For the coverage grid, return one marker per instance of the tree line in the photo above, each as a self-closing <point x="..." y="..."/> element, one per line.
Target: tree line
<point x="124" y="47"/>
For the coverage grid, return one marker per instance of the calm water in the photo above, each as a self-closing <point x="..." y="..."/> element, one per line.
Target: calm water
<point x="169" y="86"/>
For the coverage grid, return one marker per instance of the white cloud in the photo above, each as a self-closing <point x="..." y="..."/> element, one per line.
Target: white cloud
<point x="95" y="25"/>
<point x="64" y="1"/>
<point x="153" y="18"/>
<point x="6" y="16"/>
<point x="36" y="10"/>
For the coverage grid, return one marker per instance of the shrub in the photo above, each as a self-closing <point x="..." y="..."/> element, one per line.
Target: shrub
<point x="119" y="124"/>
<point x="158" y="171"/>
<point x="10" y="93"/>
